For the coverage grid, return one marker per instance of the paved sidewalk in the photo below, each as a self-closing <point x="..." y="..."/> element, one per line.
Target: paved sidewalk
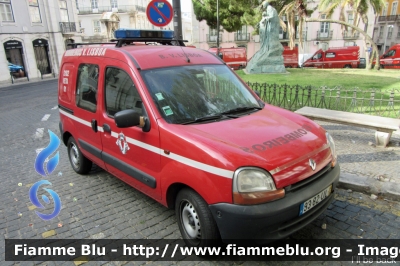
<point x="365" y="167"/>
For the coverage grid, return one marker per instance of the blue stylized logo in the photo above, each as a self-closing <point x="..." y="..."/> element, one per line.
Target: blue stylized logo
<point x="45" y="153"/>
<point x="34" y="199"/>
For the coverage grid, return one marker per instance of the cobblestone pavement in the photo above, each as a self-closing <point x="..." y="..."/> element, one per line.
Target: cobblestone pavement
<point x="101" y="206"/>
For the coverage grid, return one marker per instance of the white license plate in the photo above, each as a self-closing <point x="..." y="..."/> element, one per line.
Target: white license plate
<point x="312" y="202"/>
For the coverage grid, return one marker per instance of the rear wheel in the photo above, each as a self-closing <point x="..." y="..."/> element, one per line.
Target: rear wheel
<point x="79" y="163"/>
<point x="347" y="66"/>
<point x="195" y="220"/>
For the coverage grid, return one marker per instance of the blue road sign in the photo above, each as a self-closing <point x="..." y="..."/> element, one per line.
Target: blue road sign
<point x="159" y="12"/>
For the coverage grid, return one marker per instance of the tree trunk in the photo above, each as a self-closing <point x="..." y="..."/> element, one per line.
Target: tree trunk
<point x="367" y="37"/>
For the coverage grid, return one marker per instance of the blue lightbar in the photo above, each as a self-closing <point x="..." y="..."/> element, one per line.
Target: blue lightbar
<point x="132" y="33"/>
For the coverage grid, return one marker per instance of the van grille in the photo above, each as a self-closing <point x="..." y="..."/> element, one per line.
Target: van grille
<point x="308" y="180"/>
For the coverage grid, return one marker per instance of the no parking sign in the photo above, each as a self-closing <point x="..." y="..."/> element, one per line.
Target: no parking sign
<point x="159" y="12"/>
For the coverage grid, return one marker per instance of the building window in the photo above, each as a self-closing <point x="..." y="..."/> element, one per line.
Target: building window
<point x="64" y="11"/>
<point x="385" y="9"/>
<point x="77" y="4"/>
<point x="380" y="31"/>
<point x="350" y="19"/>
<point x="114" y="4"/>
<point x="94" y="4"/>
<point x="394" y="8"/>
<point x="34" y="11"/>
<point x="6" y="10"/>
<point x="324" y="27"/>
<point x="96" y="26"/>
<point x="390" y="31"/>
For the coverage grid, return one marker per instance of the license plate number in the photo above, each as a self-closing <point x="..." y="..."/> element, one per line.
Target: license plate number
<point x="312" y="202"/>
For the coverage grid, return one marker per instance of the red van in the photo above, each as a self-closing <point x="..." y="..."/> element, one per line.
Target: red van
<point x="335" y="57"/>
<point x="391" y="59"/>
<point x="180" y="126"/>
<point x="290" y="57"/>
<point x="235" y="58"/>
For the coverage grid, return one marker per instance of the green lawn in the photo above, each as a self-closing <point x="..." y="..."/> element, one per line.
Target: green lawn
<point x="385" y="79"/>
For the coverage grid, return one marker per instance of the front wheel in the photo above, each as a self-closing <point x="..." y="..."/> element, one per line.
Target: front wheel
<point x="79" y="162"/>
<point x="195" y="220"/>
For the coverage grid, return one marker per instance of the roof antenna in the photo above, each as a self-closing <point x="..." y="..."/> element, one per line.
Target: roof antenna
<point x="188" y="60"/>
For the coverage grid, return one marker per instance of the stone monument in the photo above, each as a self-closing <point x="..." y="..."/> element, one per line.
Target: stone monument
<point x="269" y="58"/>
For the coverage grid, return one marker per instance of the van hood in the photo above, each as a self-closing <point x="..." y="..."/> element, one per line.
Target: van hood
<point x="274" y="139"/>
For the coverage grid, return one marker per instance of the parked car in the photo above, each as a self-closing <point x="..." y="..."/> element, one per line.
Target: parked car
<point x="391" y="58"/>
<point x="15" y="68"/>
<point x="335" y="57"/>
<point x="180" y="126"/>
<point x="235" y="58"/>
<point x="290" y="57"/>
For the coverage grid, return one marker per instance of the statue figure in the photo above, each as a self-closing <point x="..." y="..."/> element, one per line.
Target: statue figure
<point x="269" y="58"/>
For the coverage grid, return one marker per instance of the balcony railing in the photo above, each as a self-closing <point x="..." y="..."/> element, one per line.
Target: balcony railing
<point x="387" y="18"/>
<point x="324" y="35"/>
<point x="283" y="36"/>
<point x="350" y="35"/>
<point x="213" y="38"/>
<point x="119" y="9"/>
<point x="66" y="27"/>
<point x="245" y="37"/>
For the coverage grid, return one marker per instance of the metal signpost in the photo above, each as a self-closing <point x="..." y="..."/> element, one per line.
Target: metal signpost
<point x="159" y="13"/>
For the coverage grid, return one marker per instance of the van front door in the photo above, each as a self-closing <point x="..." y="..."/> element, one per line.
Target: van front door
<point x="129" y="153"/>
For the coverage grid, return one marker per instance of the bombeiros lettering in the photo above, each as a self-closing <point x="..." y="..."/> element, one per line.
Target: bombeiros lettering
<point x="87" y="52"/>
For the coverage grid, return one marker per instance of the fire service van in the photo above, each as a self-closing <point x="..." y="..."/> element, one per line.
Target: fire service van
<point x="391" y="59"/>
<point x="335" y="57"/>
<point x="290" y="57"/>
<point x="177" y="124"/>
<point x="235" y="58"/>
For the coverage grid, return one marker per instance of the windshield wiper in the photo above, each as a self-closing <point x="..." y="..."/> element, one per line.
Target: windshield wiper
<point x="203" y="119"/>
<point x="241" y="109"/>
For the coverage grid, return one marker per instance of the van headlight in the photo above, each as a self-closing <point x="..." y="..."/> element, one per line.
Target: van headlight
<point x="253" y="185"/>
<point x="331" y="143"/>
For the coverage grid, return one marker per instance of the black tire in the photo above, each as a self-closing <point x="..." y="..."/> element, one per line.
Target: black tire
<point x="195" y="220"/>
<point x="79" y="163"/>
<point x="347" y="66"/>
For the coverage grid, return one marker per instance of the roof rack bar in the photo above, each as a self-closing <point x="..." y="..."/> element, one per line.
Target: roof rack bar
<point x="163" y="41"/>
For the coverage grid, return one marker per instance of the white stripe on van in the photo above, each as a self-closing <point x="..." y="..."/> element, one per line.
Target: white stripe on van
<point x="186" y="161"/>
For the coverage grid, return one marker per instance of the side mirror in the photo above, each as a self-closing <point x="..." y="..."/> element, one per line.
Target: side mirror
<point x="129" y="118"/>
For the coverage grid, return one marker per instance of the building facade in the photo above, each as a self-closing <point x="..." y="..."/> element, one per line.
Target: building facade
<point x="34" y="34"/>
<point x="98" y="19"/>
<point x="315" y="35"/>
<point x="387" y="26"/>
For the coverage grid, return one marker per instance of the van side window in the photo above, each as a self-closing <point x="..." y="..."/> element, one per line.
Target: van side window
<point x="390" y="53"/>
<point x="86" y="89"/>
<point x="317" y="56"/>
<point x="330" y="55"/>
<point x="120" y="92"/>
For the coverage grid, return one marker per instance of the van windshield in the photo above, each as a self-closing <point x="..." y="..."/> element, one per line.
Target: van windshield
<point x="190" y="93"/>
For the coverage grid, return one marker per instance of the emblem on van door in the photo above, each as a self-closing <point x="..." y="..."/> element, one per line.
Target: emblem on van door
<point x="122" y="144"/>
<point x="312" y="164"/>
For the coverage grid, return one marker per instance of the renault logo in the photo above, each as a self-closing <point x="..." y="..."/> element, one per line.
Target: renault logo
<point x="312" y="164"/>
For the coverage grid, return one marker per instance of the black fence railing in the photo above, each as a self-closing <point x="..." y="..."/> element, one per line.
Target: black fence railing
<point x="213" y="38"/>
<point x="373" y="102"/>
<point x="325" y="35"/>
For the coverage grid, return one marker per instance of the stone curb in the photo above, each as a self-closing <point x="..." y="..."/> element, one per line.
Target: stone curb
<point x="388" y="190"/>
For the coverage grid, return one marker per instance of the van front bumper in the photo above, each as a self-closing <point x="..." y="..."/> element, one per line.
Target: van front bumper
<point x="273" y="220"/>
